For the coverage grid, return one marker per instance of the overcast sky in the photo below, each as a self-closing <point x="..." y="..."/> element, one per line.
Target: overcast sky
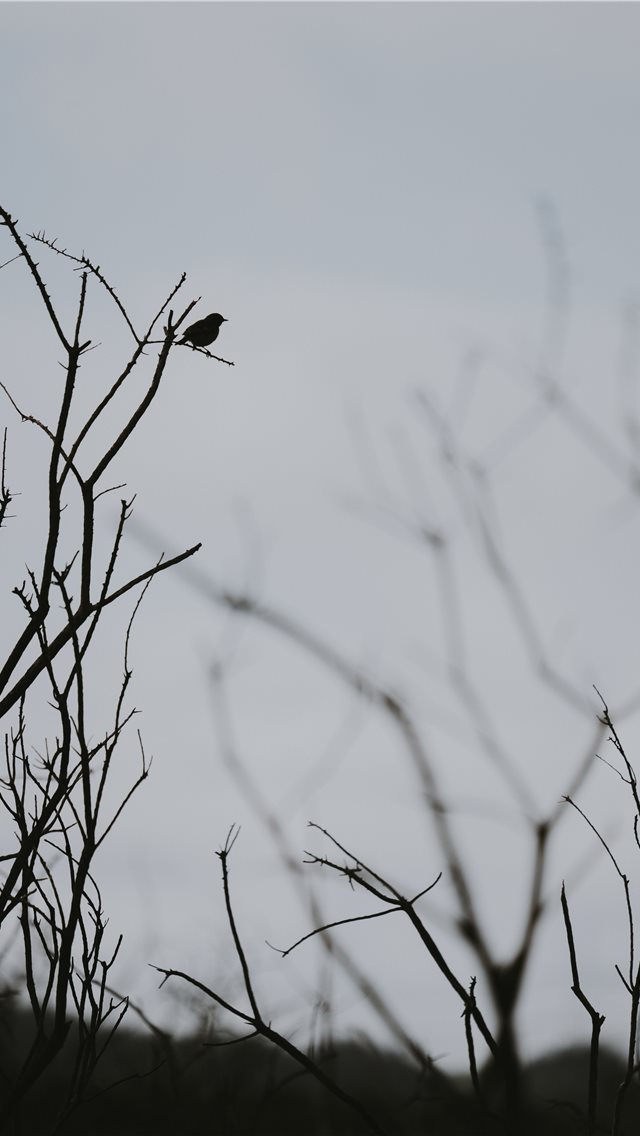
<point x="395" y="206"/>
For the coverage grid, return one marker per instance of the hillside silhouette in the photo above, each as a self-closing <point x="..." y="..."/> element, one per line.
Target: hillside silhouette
<point x="148" y="1085"/>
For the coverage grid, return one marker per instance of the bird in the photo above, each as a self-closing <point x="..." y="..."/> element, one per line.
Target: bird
<point x="204" y="331"/>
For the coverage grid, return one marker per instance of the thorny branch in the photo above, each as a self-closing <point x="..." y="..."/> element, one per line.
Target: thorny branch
<point x="597" y="1020"/>
<point x="631" y="981"/>
<point x="56" y="798"/>
<point x="6" y="496"/>
<point x="358" y="874"/>
<point x="271" y="818"/>
<point x="254" y="1019"/>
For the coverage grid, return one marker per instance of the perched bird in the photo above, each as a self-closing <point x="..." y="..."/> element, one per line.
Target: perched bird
<point x="204" y="331"/>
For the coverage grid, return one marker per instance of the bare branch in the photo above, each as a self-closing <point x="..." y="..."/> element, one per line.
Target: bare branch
<point x="597" y="1020"/>
<point x="33" y="268"/>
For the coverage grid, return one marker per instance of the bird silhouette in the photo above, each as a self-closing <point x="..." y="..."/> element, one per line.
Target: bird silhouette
<point x="204" y="331"/>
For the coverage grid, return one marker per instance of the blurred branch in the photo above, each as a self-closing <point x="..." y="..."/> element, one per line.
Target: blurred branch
<point x="271" y="819"/>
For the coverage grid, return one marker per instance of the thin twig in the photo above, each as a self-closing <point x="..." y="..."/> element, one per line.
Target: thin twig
<point x="597" y="1020"/>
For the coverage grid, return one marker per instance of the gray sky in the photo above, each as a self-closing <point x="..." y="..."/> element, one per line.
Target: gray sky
<point x="357" y="188"/>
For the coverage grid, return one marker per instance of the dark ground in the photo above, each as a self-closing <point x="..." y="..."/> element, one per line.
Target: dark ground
<point x="187" y="1088"/>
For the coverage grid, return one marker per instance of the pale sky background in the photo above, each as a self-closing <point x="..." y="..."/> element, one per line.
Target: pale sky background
<point x="358" y="188"/>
